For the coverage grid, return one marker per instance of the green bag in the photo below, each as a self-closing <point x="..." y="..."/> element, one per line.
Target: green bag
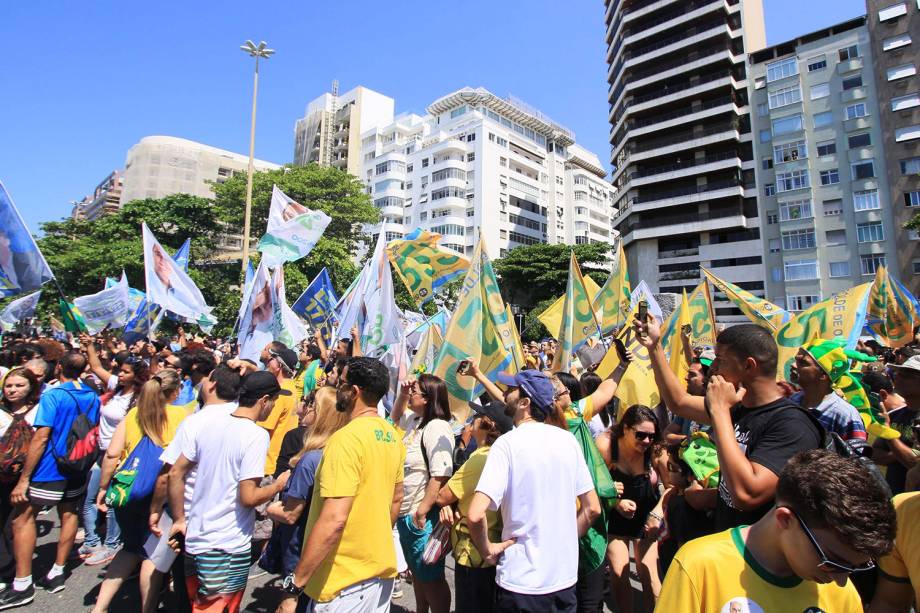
<point x="119" y="490"/>
<point x="699" y="453"/>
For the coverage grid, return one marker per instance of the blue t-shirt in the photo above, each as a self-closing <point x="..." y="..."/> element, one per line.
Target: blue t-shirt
<point x="300" y="486"/>
<point x="57" y="408"/>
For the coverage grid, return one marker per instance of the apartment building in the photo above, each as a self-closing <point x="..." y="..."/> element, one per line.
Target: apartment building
<point x="894" y="35"/>
<point x="680" y="137"/>
<point x="480" y="165"/>
<point x="329" y="134"/>
<point x="826" y="214"/>
<point x="105" y="199"/>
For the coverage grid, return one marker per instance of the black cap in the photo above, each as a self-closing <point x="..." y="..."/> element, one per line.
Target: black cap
<point x="495" y="411"/>
<point x="261" y="383"/>
<point x="287" y="357"/>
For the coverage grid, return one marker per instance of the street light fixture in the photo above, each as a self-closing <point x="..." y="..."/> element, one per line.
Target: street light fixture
<point x="256" y="51"/>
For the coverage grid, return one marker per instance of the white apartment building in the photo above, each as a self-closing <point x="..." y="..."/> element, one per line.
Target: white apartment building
<point x="479" y="165"/>
<point x="827" y="216"/>
<point x="330" y="132"/>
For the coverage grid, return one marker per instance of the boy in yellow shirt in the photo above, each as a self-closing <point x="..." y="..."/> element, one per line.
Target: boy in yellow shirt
<point x="831" y="519"/>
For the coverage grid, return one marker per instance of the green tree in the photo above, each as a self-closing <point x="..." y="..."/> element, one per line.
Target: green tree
<point x="536" y="273"/>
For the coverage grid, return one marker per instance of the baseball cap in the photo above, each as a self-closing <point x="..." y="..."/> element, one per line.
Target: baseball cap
<point x="261" y="383"/>
<point x="287" y="357"/>
<point x="535" y="385"/>
<point x="707" y="356"/>
<point x="495" y="411"/>
<point x="911" y="363"/>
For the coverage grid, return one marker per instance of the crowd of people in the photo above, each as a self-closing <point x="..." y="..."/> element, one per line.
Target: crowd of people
<point x="177" y="462"/>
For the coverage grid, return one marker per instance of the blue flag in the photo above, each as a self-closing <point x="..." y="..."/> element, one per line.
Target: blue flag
<point x="317" y="305"/>
<point x="22" y="266"/>
<point x="19" y="309"/>
<point x="181" y="256"/>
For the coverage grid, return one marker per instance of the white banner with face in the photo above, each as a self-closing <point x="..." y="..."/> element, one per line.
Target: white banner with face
<point x="167" y="284"/>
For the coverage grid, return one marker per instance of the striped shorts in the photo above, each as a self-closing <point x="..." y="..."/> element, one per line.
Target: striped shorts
<point x="217" y="579"/>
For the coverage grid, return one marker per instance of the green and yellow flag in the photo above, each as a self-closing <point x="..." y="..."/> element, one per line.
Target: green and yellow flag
<point x="638" y="383"/>
<point x="517" y="347"/>
<point x="479" y="328"/>
<point x="676" y="358"/>
<point x="423" y="265"/>
<point x="702" y="319"/>
<point x="762" y="312"/>
<point x="891" y="315"/>
<point x="71" y="316"/>
<point x="578" y="320"/>
<point x="612" y="302"/>
<point x="552" y="316"/>
<point x="427" y="351"/>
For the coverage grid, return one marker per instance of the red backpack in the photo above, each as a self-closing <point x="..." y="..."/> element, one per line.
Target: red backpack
<point x="14" y="446"/>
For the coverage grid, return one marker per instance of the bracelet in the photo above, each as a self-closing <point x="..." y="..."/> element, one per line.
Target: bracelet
<point x="655" y="515"/>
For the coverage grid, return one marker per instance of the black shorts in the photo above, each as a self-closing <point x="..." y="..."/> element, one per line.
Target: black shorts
<point x="51" y="493"/>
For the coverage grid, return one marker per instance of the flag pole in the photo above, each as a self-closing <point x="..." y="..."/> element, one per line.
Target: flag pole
<point x="66" y="301"/>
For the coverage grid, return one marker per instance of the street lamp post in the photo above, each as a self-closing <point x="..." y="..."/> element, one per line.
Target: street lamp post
<point x="256" y="51"/>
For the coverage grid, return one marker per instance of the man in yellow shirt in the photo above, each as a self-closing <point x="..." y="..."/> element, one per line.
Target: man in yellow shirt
<point x="281" y="362"/>
<point x="831" y="519"/>
<point x="899" y="571"/>
<point x="348" y="562"/>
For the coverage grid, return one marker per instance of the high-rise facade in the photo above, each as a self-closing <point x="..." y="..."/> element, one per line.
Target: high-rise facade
<point x="329" y="134"/>
<point x="826" y="212"/>
<point x="105" y="199"/>
<point x="894" y="33"/>
<point x="480" y="165"/>
<point x="681" y="141"/>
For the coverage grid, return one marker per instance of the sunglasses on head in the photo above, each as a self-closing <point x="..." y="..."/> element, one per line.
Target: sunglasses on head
<point x="826" y="564"/>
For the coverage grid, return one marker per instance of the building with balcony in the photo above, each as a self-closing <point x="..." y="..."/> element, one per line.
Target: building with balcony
<point x="479" y="165"/>
<point x="894" y="36"/>
<point x="825" y="205"/>
<point x="104" y="200"/>
<point x="680" y="135"/>
<point x="329" y="134"/>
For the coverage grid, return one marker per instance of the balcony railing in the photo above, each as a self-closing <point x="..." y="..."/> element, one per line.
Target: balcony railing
<point x="672" y="220"/>
<point x="682" y="112"/>
<point x="670" y="40"/>
<point x="686" y="191"/>
<point x="664" y="141"/>
<point x="709" y="159"/>
<point x="667" y="90"/>
<point x="679" y="253"/>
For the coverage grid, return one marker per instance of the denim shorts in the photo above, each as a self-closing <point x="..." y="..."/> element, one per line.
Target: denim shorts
<point x="413" y="543"/>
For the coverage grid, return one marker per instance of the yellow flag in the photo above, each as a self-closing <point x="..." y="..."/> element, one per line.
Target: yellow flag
<point x="517" y="347"/>
<point x="638" y="383"/>
<point x="890" y="314"/>
<point x="552" y="316"/>
<point x="612" y="302"/>
<point x="842" y="316"/>
<point x="423" y="265"/>
<point x="578" y="320"/>
<point x="702" y="316"/>
<point x="762" y="312"/>
<point x="676" y="358"/>
<point x="428" y="349"/>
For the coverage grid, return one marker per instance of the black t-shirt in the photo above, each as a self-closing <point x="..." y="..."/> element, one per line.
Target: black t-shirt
<point x="901" y="420"/>
<point x="769" y="435"/>
<point x="291" y="445"/>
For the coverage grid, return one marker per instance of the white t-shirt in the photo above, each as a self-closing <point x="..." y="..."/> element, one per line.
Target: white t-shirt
<point x="231" y="449"/>
<point x="188" y="430"/>
<point x="112" y="413"/>
<point x="439" y="443"/>
<point x="534" y="475"/>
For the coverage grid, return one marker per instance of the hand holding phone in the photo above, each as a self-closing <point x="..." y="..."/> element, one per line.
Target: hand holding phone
<point x="463" y="368"/>
<point x="643" y="316"/>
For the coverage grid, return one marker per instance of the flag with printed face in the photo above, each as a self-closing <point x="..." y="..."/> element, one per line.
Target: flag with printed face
<point x="317" y="305"/>
<point x="167" y="284"/>
<point x="292" y="231"/>
<point x="108" y="308"/>
<point x="286" y="326"/>
<point x="613" y="300"/>
<point x="423" y="265"/>
<point x="19" y="309"/>
<point x="840" y="317"/>
<point x="22" y="266"/>
<point x="762" y="312"/>
<point x="257" y="315"/>
<point x="578" y="320"/>
<point x="552" y="316"/>
<point x="479" y="328"/>
<point x="638" y="383"/>
<point x="382" y="318"/>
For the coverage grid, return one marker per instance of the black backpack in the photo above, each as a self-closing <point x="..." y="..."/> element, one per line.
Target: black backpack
<point x="82" y="449"/>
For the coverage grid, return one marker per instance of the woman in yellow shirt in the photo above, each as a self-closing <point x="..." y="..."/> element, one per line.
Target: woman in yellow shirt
<point x="156" y="418"/>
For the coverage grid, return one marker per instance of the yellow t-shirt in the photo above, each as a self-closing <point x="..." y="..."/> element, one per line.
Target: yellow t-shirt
<point x="133" y="434"/>
<point x="364" y="460"/>
<point x="463" y="485"/>
<point x="278" y="423"/>
<point x="902" y="564"/>
<point x="718" y="574"/>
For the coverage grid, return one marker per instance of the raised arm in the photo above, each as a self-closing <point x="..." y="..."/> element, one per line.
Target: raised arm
<point x="323" y="350"/>
<point x="493" y="390"/>
<point x="92" y="357"/>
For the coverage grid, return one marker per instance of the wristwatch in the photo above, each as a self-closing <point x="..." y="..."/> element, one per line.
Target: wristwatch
<point x="288" y="586"/>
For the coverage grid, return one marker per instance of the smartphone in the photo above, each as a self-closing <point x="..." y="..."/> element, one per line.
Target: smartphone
<point x="686" y="329"/>
<point x="463" y="368"/>
<point x="643" y="315"/>
<point x="621" y="351"/>
<point x="177" y="541"/>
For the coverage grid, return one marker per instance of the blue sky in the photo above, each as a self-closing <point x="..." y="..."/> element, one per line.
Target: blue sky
<point x="85" y="81"/>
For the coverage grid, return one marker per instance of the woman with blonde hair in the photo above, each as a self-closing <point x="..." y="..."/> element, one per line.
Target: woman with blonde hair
<point x="291" y="512"/>
<point x="154" y="419"/>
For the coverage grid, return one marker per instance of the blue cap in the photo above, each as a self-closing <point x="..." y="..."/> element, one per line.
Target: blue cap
<point x="536" y="386"/>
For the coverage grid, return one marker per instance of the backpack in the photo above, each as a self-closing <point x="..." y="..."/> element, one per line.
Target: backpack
<point x="136" y="478"/>
<point x="14" y="446"/>
<point x="82" y="445"/>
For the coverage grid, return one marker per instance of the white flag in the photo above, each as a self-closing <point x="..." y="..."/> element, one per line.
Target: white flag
<point x="256" y="315"/>
<point x="167" y="284"/>
<point x="110" y="307"/>
<point x="292" y="230"/>
<point x="19" y="309"/>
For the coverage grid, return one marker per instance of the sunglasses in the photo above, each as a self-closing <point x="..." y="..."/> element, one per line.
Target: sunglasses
<point x="644" y="436"/>
<point x="826" y="564"/>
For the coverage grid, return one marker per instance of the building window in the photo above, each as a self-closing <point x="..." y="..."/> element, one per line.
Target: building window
<point x="769" y="189"/>
<point x="823" y="119"/>
<point x="864" y="169"/>
<point x="856" y="110"/>
<point x="870" y="262"/>
<point x="776" y="273"/>
<point x="896" y="42"/>
<point x="839" y="269"/>
<point x="795" y="209"/>
<point x="801" y="303"/>
<point x="817" y="63"/>
<point x="785" y="125"/>
<point x="871" y="232"/>
<point x="782" y="69"/>
<point x="503" y="234"/>
<point x="458" y="111"/>
<point x="789" y="152"/>
<point x="803" y="238"/>
<point x="772" y="217"/>
<point x="836" y="237"/>
<point x="832" y="207"/>
<point x="794" y="179"/>
<point x="827" y="147"/>
<point x="916" y="265"/>
<point x="892" y="12"/>
<point x="424" y="162"/>
<point x="907" y="133"/>
<point x="852" y="82"/>
<point x="848" y="53"/>
<point x="763" y="110"/>
<point x="910" y="166"/>
<point x="470" y="157"/>
<point x="766" y="163"/>
<point x="901" y="72"/>
<point x="912" y="198"/>
<point x="830" y="176"/>
<point x="450" y="229"/>
<point x="905" y="102"/>
<point x="784" y="96"/>
<point x="866" y="200"/>
<point x="765" y="136"/>
<point x="774" y="245"/>
<point x="821" y="90"/>
<point x="797" y="270"/>
<point x="859" y="140"/>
